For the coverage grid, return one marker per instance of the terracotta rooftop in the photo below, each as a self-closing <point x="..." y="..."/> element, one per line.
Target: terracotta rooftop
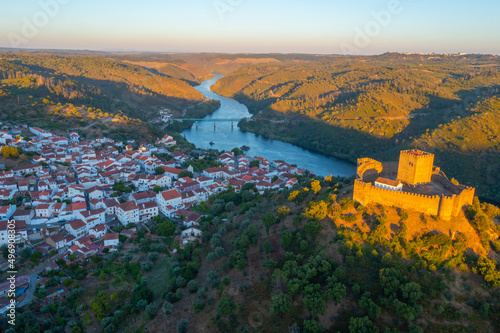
<point x="386" y="181"/>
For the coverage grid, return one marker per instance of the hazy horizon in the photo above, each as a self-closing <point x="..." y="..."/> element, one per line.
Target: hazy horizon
<point x="241" y="26"/>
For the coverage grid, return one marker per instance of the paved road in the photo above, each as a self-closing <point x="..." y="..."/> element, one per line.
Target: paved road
<point x="32" y="286"/>
<point x="105" y="120"/>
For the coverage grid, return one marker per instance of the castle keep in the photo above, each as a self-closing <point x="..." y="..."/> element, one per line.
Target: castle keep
<point x="414" y="184"/>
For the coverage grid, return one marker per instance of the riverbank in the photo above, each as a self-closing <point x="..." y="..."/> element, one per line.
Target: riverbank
<point x="226" y="135"/>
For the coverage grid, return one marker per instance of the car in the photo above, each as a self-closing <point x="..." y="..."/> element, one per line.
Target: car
<point x="37" y="277"/>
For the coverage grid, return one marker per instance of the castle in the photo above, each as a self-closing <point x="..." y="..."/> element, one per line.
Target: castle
<point x="414" y="184"/>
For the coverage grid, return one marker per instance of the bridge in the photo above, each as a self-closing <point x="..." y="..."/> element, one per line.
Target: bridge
<point x="226" y="120"/>
<point x="216" y="120"/>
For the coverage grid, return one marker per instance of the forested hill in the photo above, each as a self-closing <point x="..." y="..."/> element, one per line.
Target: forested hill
<point x="101" y="71"/>
<point x="375" y="106"/>
<point x="56" y="91"/>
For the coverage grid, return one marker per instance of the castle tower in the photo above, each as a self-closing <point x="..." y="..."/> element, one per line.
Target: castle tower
<point x="415" y="166"/>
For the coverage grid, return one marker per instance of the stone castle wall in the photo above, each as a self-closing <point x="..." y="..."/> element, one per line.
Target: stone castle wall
<point x="366" y="193"/>
<point x="365" y="164"/>
<point x="445" y="207"/>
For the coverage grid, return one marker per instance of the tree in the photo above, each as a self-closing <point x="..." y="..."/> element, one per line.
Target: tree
<point x="182" y="325"/>
<point x="226" y="306"/>
<point x="193" y="286"/>
<point x="293" y="195"/>
<point x="9" y="152"/>
<point x="159" y="170"/>
<point x="283" y="211"/>
<point x="268" y="219"/>
<point x="336" y="291"/>
<point x="311" y="326"/>
<point x="317" y="210"/>
<point x="35" y="256"/>
<point x="237" y="151"/>
<point x="371" y="308"/>
<point x="313" y="228"/>
<point x="314" y="302"/>
<point x="157" y="189"/>
<point x="315" y="186"/>
<point x="238" y="260"/>
<point x="25" y="253"/>
<point x="151" y="310"/>
<point x="153" y="256"/>
<point x="185" y="173"/>
<point x="280" y="303"/>
<point x="286" y="239"/>
<point x="166" y="228"/>
<point x="254" y="163"/>
<point x="247" y="195"/>
<point x="362" y="325"/>
<point x="167" y="307"/>
<point x="67" y="282"/>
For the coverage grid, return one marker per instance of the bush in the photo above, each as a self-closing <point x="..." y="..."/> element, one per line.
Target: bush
<point x="147" y="266"/>
<point x="180" y="282"/>
<point x="141" y="305"/>
<point x="237" y="259"/>
<point x="183" y="325"/>
<point x="151" y="310"/>
<point x="153" y="256"/>
<point x="68" y="282"/>
<point x="167" y="307"/>
<point x="193" y="286"/>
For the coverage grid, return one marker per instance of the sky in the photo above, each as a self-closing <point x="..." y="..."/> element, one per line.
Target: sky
<point x="254" y="26"/>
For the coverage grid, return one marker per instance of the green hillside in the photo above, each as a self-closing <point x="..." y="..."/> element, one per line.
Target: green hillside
<point x="307" y="260"/>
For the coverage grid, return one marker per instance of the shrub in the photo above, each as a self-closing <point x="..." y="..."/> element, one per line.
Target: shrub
<point x="182" y="325"/>
<point x="151" y="310"/>
<point x="193" y="286"/>
<point x="167" y="307"/>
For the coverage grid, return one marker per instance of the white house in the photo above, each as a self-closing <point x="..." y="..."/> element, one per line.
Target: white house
<point x="149" y="209"/>
<point x="93" y="217"/>
<point x="190" y="235"/>
<point x="57" y="241"/>
<point x="98" y="231"/>
<point x="73" y="136"/>
<point x="167" y="141"/>
<point x="44" y="210"/>
<point x="19" y="232"/>
<point x="128" y="212"/>
<point x="27" y="169"/>
<point x="168" y="198"/>
<point x="40" y="132"/>
<point x="111" y="241"/>
<point x="76" y="228"/>
<point x="7" y="211"/>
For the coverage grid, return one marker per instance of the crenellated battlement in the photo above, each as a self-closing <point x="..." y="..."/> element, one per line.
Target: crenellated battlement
<point x="417" y="154"/>
<point x="420" y="166"/>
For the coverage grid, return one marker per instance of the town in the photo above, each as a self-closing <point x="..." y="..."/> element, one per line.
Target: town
<point x="76" y="198"/>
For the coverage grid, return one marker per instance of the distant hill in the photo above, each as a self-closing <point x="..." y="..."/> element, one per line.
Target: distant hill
<point x="30" y="82"/>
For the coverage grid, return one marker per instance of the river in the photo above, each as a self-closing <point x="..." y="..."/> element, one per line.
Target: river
<point x="226" y="138"/>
